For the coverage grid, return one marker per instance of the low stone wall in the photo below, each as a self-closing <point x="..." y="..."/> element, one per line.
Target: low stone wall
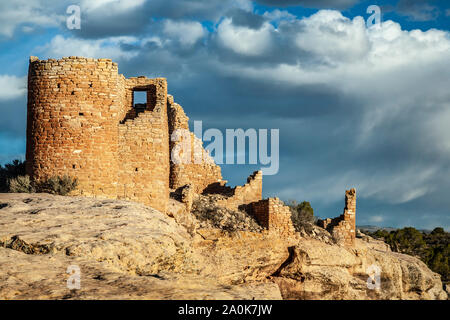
<point x="274" y="215"/>
<point x="246" y="194"/>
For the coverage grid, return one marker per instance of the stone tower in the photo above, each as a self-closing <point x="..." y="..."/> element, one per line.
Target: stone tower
<point x="82" y="122"/>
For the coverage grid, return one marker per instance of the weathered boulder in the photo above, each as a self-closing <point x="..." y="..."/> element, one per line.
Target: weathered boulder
<point x="129" y="237"/>
<point x="316" y="270"/>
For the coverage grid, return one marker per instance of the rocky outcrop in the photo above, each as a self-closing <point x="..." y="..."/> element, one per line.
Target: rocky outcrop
<point x="125" y="250"/>
<point x="316" y="270"/>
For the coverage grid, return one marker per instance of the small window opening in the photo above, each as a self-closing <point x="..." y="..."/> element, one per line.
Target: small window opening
<point x="90" y="85"/>
<point x="137" y="169"/>
<point x="81" y="114"/>
<point x="74" y="166"/>
<point x="140" y="101"/>
<point x="59" y="85"/>
<point x="73" y="92"/>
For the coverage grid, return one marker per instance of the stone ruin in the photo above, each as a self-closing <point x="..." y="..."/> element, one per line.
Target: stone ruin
<point x="82" y="121"/>
<point x="343" y="228"/>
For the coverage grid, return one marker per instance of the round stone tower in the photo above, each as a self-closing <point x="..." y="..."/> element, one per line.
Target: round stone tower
<point x="74" y="107"/>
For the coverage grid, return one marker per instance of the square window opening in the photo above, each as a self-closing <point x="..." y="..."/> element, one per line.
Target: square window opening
<point x="139" y="99"/>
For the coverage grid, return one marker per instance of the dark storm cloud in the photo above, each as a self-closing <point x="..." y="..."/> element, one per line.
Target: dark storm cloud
<point x="103" y="22"/>
<point x="190" y="9"/>
<point x="418" y="10"/>
<point x="246" y="19"/>
<point x="14" y="115"/>
<point x="12" y="129"/>
<point x="108" y="20"/>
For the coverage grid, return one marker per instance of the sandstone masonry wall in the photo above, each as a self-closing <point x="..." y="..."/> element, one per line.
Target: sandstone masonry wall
<point x="82" y="122"/>
<point x="343" y="228"/>
<point x="144" y="146"/>
<point x="246" y="194"/>
<point x="274" y="215"/>
<point x="197" y="166"/>
<point x="74" y="105"/>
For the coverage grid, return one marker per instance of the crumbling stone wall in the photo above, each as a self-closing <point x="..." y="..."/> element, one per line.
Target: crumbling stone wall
<point x="196" y="167"/>
<point x="273" y="215"/>
<point x="243" y="195"/>
<point x="343" y="228"/>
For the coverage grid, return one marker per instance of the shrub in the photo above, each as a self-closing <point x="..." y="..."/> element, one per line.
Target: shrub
<point x="11" y="171"/>
<point x="13" y="178"/>
<point x="21" y="184"/>
<point x="438" y="231"/>
<point x="302" y="215"/>
<point x="58" y="185"/>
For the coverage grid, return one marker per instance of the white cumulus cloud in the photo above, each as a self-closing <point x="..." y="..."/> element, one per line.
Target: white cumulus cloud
<point x="244" y="40"/>
<point x="60" y="46"/>
<point x="185" y="32"/>
<point x="12" y="87"/>
<point x="29" y="12"/>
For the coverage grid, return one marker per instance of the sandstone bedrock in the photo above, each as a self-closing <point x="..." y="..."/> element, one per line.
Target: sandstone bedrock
<point x="127" y="250"/>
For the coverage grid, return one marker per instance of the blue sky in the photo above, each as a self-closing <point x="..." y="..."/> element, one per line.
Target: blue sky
<point x="358" y="107"/>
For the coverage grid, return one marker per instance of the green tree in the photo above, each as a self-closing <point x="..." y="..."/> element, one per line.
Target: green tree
<point x="303" y="211"/>
<point x="302" y="215"/>
<point x="437" y="231"/>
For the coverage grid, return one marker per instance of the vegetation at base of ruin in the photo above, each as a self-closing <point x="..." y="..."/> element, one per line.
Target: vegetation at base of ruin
<point x="432" y="248"/>
<point x="9" y="172"/>
<point x="14" y="179"/>
<point x="210" y="215"/>
<point x="58" y="185"/>
<point x="21" y="184"/>
<point x="302" y="215"/>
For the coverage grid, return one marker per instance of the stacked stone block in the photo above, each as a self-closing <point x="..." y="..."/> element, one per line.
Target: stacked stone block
<point x="246" y="194"/>
<point x="273" y="215"/>
<point x="343" y="228"/>
<point x="82" y="122"/>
